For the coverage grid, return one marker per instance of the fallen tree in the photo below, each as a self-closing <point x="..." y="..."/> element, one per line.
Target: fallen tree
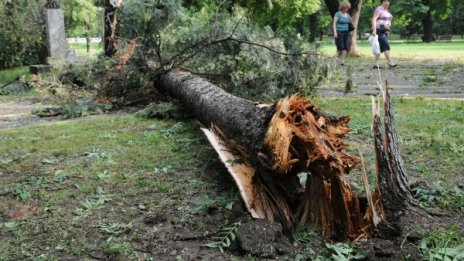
<point x="266" y="146"/>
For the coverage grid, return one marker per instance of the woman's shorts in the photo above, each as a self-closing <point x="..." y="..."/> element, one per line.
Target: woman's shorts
<point x="383" y="42"/>
<point x="342" y="40"/>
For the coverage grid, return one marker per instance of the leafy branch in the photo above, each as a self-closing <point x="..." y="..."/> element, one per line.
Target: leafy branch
<point x="225" y="237"/>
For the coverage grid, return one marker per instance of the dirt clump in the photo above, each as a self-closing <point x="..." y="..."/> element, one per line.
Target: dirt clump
<point x="262" y="238"/>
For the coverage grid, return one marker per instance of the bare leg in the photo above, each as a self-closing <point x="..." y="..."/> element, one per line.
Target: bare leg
<point x="342" y="57"/>
<point x="376" y="59"/>
<point x="388" y="56"/>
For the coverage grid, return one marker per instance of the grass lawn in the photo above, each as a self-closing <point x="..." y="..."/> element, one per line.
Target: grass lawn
<point x="126" y="188"/>
<point x="450" y="51"/>
<point x="81" y="49"/>
<point x="7" y="76"/>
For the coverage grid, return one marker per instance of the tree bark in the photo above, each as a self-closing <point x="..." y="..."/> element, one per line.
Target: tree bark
<point x="240" y="119"/>
<point x="396" y="199"/>
<point x="110" y="22"/>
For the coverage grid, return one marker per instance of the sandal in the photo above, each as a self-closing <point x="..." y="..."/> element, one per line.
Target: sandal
<point x="392" y="65"/>
<point x="376" y="67"/>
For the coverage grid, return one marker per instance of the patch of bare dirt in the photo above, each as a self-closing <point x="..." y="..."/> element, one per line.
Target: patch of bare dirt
<point x="430" y="79"/>
<point x="17" y="113"/>
<point x="21" y="211"/>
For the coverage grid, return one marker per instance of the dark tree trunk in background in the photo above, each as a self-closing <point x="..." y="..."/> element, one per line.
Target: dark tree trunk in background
<point x="110" y="21"/>
<point x="427" y="25"/>
<point x="312" y="28"/>
<point x="87" y="37"/>
<point x="332" y="6"/>
<point x="43" y="49"/>
<point x="300" y="24"/>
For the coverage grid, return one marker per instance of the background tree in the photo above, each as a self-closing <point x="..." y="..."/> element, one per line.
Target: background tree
<point x="81" y="19"/>
<point x="21" y="34"/>
<point x="110" y="24"/>
<point x="279" y="14"/>
<point x="423" y="12"/>
<point x="455" y="20"/>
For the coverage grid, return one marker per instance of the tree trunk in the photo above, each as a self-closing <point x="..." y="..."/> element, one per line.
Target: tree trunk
<point x="356" y="7"/>
<point x="312" y="27"/>
<point x="42" y="46"/>
<point x="265" y="146"/>
<point x="332" y="6"/>
<point x="427" y="25"/>
<point x="87" y="37"/>
<point x="299" y="26"/>
<point x="212" y="105"/>
<point x="110" y="22"/>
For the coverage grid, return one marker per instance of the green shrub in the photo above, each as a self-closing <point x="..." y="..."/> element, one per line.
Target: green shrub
<point x="20" y="33"/>
<point x="224" y="46"/>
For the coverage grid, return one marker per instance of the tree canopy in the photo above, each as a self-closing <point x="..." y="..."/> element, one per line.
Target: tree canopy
<point x="81" y="18"/>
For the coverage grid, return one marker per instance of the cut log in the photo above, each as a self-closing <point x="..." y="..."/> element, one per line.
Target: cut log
<point x="266" y="146"/>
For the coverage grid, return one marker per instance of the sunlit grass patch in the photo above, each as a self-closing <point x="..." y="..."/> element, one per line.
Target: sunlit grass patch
<point x="9" y="75"/>
<point x="430" y="133"/>
<point x="451" y="52"/>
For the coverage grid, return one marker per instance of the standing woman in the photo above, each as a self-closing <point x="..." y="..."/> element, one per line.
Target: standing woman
<point x="341" y="30"/>
<point x="381" y="22"/>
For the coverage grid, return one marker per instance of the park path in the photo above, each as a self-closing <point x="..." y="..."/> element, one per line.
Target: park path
<point x="17" y="113"/>
<point x="428" y="79"/>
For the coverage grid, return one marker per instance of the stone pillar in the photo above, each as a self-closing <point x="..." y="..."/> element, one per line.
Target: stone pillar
<point x="56" y="37"/>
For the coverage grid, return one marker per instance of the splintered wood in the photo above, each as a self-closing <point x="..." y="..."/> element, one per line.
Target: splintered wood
<point x="301" y="139"/>
<point x="266" y="147"/>
<point x="300" y="136"/>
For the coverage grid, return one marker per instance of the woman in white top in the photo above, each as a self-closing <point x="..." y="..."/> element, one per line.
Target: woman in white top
<point x="381" y="22"/>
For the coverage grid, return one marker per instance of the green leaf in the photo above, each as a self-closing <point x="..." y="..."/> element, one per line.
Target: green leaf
<point x="226" y="242"/>
<point x="47" y="161"/>
<point x="230" y="205"/>
<point x="211" y="245"/>
<point x="11" y="224"/>
<point x="338" y="257"/>
<point x="360" y="256"/>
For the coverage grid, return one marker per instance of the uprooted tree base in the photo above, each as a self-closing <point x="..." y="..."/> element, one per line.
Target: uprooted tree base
<point x="266" y="146"/>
